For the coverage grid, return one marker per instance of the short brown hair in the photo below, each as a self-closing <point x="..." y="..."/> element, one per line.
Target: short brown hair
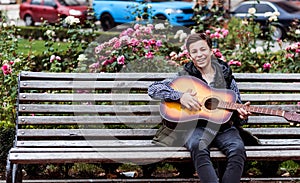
<point x="197" y="37"/>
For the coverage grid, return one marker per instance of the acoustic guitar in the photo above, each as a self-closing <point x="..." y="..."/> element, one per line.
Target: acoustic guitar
<point x="217" y="104"/>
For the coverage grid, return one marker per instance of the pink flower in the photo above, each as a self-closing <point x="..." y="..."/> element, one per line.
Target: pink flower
<point x="225" y="32"/>
<point x="149" y="55"/>
<point x="58" y="58"/>
<point x="158" y="43"/>
<point x="130" y="31"/>
<point x="152" y="42"/>
<point x="145" y="41"/>
<point x="218" y="35"/>
<point x="134" y="42"/>
<point x="98" y="49"/>
<point x="52" y="58"/>
<point x="105" y="63"/>
<point x="6" y="69"/>
<point x="218" y="54"/>
<point x="289" y="55"/>
<point x="267" y="66"/>
<point x="207" y="32"/>
<point x="117" y="44"/>
<point x="234" y="62"/>
<point x="136" y="26"/>
<point x="121" y="60"/>
<point x="148" y="30"/>
<point x="101" y="57"/>
<point x="111" y="60"/>
<point x="94" y="65"/>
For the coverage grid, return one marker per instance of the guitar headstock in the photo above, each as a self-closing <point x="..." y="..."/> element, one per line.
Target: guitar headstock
<point x="293" y="118"/>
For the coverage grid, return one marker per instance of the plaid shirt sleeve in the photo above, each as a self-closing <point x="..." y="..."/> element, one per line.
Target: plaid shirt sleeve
<point x="161" y="90"/>
<point x="234" y="87"/>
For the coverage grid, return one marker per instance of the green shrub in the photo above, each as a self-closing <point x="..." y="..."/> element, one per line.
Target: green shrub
<point x="7" y="134"/>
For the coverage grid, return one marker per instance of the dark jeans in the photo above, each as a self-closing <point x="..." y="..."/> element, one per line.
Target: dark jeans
<point x="229" y="142"/>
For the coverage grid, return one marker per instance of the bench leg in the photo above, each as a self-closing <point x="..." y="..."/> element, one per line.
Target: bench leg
<point x="8" y="172"/>
<point x="17" y="173"/>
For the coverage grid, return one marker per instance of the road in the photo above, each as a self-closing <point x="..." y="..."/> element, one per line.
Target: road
<point x="12" y="13"/>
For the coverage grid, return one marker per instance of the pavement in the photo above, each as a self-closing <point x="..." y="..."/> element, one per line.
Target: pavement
<point x="11" y="11"/>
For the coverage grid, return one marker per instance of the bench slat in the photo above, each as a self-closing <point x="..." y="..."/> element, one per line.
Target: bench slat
<point x="139" y="157"/>
<point x="127" y="85"/>
<point x="94" y="76"/>
<point x="144" y="97"/>
<point x="238" y="76"/>
<point x="270" y="97"/>
<point x="86" y="108"/>
<point x="122" y="119"/>
<point x="126" y="143"/>
<point x="93" y="85"/>
<point x="125" y="108"/>
<point x="85" y="97"/>
<point x="134" y="132"/>
<point x="140" y="149"/>
<point x="265" y="86"/>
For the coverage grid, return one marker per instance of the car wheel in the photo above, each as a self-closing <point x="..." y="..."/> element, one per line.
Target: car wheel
<point x="28" y="20"/>
<point x="277" y="32"/>
<point x="107" y="22"/>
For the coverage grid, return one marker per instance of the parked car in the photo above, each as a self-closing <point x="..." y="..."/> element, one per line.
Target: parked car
<point x="114" y="12"/>
<point x="32" y="11"/>
<point x="287" y="14"/>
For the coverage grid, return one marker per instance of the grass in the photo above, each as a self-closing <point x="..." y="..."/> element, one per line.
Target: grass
<point x="38" y="46"/>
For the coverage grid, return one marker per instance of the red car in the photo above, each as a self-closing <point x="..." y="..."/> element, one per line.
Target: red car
<point x="32" y="11"/>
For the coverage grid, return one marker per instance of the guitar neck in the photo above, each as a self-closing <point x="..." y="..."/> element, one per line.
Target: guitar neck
<point x="252" y="109"/>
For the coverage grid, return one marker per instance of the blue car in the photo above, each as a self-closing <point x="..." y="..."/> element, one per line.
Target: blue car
<point x="114" y="12"/>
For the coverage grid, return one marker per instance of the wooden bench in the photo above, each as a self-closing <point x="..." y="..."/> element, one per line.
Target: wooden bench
<point x="109" y="118"/>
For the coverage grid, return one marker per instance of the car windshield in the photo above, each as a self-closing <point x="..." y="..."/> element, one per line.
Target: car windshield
<point x="288" y="7"/>
<point x="69" y="2"/>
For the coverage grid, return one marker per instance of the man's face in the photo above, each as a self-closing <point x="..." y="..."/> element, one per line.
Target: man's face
<point x="200" y="54"/>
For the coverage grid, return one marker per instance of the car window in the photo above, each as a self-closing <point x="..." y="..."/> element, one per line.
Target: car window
<point x="37" y="2"/>
<point x="49" y="3"/>
<point x="243" y="8"/>
<point x="263" y="8"/>
<point x="69" y="2"/>
<point x="288" y="7"/>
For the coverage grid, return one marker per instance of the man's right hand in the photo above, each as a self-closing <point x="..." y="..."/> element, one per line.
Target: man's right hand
<point x="190" y="101"/>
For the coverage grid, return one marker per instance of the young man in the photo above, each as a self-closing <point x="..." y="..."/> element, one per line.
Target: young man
<point x="198" y="138"/>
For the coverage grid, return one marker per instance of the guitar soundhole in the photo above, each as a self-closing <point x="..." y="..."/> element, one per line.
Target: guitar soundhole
<point x="211" y="103"/>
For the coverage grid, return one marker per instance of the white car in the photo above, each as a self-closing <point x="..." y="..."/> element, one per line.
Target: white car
<point x="287" y="13"/>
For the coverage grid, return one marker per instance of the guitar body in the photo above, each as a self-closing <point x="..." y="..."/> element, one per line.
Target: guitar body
<point x="207" y="96"/>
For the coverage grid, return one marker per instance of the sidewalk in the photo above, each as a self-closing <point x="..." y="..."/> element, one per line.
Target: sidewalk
<point x="12" y="13"/>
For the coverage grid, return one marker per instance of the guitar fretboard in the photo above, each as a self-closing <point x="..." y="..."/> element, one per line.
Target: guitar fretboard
<point x="253" y="109"/>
